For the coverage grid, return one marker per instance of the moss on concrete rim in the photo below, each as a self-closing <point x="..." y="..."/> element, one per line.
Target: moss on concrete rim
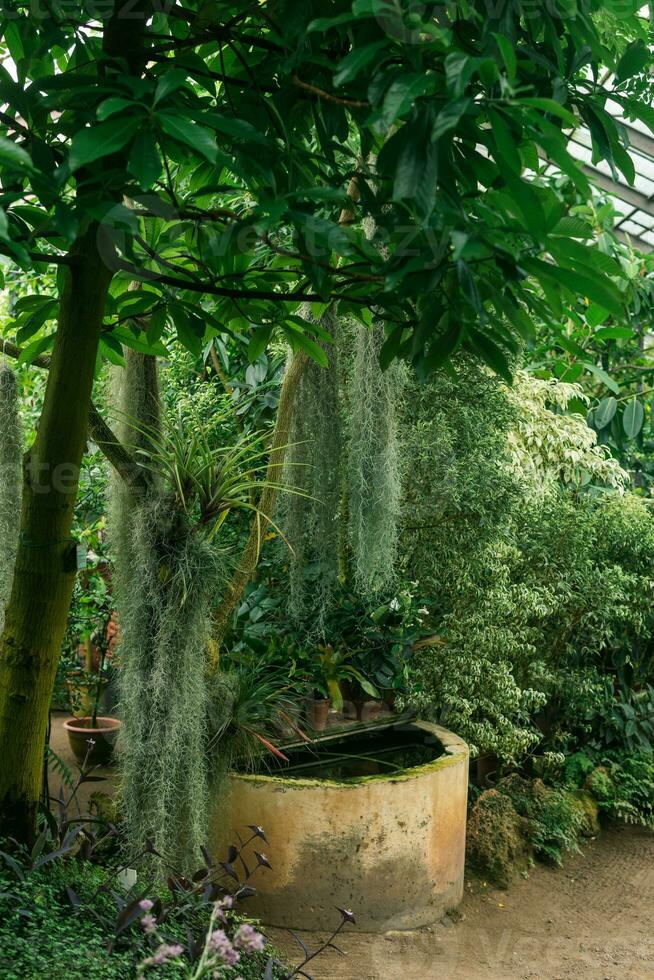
<point x="455" y="751"/>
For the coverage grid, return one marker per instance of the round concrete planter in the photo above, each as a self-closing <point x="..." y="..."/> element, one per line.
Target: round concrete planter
<point x="389" y="847"/>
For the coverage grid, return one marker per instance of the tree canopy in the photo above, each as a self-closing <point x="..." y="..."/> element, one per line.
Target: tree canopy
<point x="214" y="146"/>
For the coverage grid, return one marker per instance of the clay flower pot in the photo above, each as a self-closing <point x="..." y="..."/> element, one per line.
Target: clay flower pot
<point x="103" y="735"/>
<point x="317" y="712"/>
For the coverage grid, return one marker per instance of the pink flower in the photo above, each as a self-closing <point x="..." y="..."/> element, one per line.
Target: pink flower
<point x="220" y="944"/>
<point x="249" y="940"/>
<point x="145" y="904"/>
<point x="149" y="924"/>
<point x="164" y="953"/>
<point x="224" y="903"/>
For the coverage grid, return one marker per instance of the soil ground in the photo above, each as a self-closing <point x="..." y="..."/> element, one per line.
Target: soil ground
<point x="594" y="918"/>
<point x="591" y="920"/>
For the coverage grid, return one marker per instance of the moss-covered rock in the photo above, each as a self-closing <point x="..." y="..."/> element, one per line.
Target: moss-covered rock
<point x="600" y="785"/>
<point x="588" y="810"/>
<point x="497" y="842"/>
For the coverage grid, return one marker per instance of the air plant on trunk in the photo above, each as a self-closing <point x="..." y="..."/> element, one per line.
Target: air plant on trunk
<point x="168" y="580"/>
<point x="11" y="447"/>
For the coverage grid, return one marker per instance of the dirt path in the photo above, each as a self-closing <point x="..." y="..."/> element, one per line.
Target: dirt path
<point x="593" y="919"/>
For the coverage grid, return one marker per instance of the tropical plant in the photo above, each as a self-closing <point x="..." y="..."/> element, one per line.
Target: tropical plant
<point x="205" y="155"/>
<point x="252" y="702"/>
<point x="326" y="668"/>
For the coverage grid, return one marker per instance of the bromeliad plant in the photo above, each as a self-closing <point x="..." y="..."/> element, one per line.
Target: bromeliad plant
<point x="209" y="481"/>
<point x="252" y="703"/>
<point x="329" y="669"/>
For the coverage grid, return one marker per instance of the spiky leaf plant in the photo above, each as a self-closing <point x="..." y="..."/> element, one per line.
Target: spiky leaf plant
<point x="11" y="446"/>
<point x="374" y="470"/>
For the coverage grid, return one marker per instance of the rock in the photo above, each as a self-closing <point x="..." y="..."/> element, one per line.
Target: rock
<point x="588" y="809"/>
<point x="497" y="846"/>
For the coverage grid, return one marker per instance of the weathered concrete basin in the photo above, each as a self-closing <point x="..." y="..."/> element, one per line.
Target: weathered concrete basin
<point x="389" y="847"/>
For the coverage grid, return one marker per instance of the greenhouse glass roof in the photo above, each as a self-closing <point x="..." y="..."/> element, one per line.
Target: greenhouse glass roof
<point x="634" y="203"/>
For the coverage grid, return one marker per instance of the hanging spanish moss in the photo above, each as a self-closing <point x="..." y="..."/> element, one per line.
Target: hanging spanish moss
<point x="164" y="608"/>
<point x="136" y="400"/>
<point x="164" y="585"/>
<point x="374" y="471"/>
<point x="11" y="447"/>
<point x="311" y="521"/>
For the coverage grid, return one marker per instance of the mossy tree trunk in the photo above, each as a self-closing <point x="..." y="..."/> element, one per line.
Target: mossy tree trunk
<point x="45" y="566"/>
<point x="249" y="559"/>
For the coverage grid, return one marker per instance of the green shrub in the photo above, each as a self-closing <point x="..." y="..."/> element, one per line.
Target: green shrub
<point x="42" y="935"/>
<point x="541" y="567"/>
<point x="624" y="788"/>
<point x="554" y="821"/>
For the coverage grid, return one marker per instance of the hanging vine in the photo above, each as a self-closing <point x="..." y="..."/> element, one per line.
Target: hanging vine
<point x="374" y="468"/>
<point x="311" y="518"/>
<point x="164" y="621"/>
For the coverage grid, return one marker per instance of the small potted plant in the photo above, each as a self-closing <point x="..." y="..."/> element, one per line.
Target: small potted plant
<point x="327" y="673"/>
<point x="92" y="736"/>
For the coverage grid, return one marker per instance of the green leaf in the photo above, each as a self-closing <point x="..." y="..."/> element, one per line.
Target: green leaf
<point x="14" y="156"/>
<point x="551" y="107"/>
<point x="169" y="82"/>
<point x="633" y="61"/>
<point x="323" y="24"/>
<point x="259" y="342"/>
<point x="297" y="339"/>
<point x="144" y="160"/>
<point x="642" y="112"/>
<point x="595" y="315"/>
<point x="449" y="117"/>
<point x="99" y="141"/>
<point x="581" y="284"/>
<point x="350" y="66"/>
<point x="231" y="126"/>
<point x="196" y="137"/>
<point x="33" y="350"/>
<point x="506" y="146"/>
<point x="138" y="342"/>
<point x="602" y="376"/>
<point x="605" y="412"/>
<point x="401" y="95"/>
<point x="615" y="333"/>
<point x="632" y="418"/>
<point x="111" y="106"/>
<point x="508" y="55"/>
<point x="490" y="353"/>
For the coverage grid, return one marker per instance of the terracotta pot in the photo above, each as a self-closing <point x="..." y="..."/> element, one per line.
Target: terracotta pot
<point x="317" y="712"/>
<point x="103" y="735"/>
<point x="486" y="770"/>
<point x="371" y="710"/>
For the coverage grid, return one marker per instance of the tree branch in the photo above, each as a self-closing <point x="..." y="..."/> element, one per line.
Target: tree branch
<point x="355" y="103"/>
<point x="209" y="289"/>
<point x="250" y="555"/>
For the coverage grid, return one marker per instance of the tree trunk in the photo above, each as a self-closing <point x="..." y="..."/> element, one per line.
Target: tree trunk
<point x="249" y="559"/>
<point x="45" y="567"/>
